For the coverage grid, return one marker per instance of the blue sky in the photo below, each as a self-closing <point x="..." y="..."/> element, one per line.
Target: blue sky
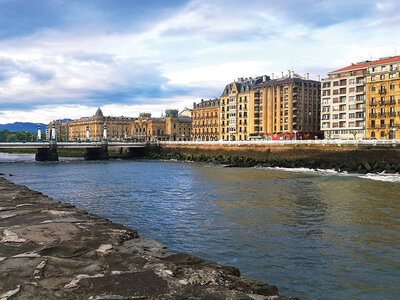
<point x="64" y="58"/>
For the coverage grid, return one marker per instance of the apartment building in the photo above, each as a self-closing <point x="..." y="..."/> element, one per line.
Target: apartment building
<point x="285" y="108"/>
<point x="343" y="102"/>
<point x="383" y="98"/>
<point x="205" y="120"/>
<point x="234" y="108"/>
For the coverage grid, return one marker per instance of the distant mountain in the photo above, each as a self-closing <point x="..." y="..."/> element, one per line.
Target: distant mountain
<point x="22" y="126"/>
<point x="64" y="120"/>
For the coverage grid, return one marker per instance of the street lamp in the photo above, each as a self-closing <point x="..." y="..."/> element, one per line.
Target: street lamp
<point x="295" y="134"/>
<point x="394" y="132"/>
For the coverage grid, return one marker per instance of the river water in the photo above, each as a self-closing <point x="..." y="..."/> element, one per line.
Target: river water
<point x="314" y="234"/>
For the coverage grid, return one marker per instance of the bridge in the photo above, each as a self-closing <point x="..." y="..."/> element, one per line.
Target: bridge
<point x="94" y="150"/>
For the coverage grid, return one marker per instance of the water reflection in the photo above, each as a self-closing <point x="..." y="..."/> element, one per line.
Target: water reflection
<point x="314" y="236"/>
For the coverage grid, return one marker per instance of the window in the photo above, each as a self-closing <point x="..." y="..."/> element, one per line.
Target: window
<point x="393" y="75"/>
<point x="373" y="134"/>
<point x="373" y="89"/>
<point x="382" y="134"/>
<point x="392" y="86"/>
<point x="372" y="78"/>
<point x="382" y="77"/>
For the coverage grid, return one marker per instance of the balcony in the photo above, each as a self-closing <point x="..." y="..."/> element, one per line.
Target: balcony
<point x="372" y="104"/>
<point x="382" y="91"/>
<point x="382" y="115"/>
<point x="392" y="114"/>
<point x="382" y="103"/>
<point x="392" y="102"/>
<point x="372" y="115"/>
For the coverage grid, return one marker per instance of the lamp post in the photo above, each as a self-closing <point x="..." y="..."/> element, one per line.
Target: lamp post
<point x="394" y="132"/>
<point x="295" y="134"/>
<point x="39" y="134"/>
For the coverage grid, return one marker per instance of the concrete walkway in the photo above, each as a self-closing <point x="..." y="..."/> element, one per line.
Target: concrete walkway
<point x="52" y="250"/>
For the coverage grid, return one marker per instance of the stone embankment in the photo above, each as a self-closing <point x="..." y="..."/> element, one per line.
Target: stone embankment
<point x="349" y="158"/>
<point x="52" y="250"/>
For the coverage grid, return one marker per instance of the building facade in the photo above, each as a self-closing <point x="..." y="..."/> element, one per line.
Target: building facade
<point x="285" y="108"/>
<point x="234" y="108"/>
<point x="61" y="126"/>
<point x="383" y="99"/>
<point x="205" y="120"/>
<point x="343" y="103"/>
<point x="118" y="128"/>
<point x="172" y="127"/>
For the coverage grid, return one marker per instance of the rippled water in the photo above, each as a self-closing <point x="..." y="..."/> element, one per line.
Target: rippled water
<point x="314" y="234"/>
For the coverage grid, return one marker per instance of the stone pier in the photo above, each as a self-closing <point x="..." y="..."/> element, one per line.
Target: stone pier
<point x="47" y="154"/>
<point x="97" y="153"/>
<point x="52" y="250"/>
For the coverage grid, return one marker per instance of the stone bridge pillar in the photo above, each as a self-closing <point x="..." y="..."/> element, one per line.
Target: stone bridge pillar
<point x="48" y="154"/>
<point x="98" y="153"/>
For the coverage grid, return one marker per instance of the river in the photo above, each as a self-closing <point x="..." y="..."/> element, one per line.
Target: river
<point x="314" y="234"/>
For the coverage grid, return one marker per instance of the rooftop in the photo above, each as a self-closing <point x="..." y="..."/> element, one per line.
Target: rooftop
<point x="365" y="64"/>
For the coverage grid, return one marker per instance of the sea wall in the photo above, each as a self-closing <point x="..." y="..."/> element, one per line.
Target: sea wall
<point x="352" y="158"/>
<point x="52" y="250"/>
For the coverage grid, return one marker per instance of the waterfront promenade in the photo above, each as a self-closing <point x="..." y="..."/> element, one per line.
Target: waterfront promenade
<point x="52" y="250"/>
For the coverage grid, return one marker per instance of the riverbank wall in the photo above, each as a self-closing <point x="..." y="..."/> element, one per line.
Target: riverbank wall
<point x="52" y="250"/>
<point x="361" y="158"/>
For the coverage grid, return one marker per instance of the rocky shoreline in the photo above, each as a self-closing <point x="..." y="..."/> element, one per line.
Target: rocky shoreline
<point x="52" y="250"/>
<point x="352" y="166"/>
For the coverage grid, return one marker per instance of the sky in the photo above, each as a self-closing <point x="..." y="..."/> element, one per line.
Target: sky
<point x="65" y="58"/>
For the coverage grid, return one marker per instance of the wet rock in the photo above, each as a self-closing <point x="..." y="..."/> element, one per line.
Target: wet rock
<point x="52" y="250"/>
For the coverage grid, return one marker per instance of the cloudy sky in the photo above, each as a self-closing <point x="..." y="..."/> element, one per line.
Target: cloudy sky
<point x="65" y="58"/>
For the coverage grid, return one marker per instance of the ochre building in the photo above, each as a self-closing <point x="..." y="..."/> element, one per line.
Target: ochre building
<point x="234" y="108"/>
<point x="205" y="120"/>
<point x="383" y="98"/>
<point x="285" y="108"/>
<point x="118" y="128"/>
<point x="172" y="127"/>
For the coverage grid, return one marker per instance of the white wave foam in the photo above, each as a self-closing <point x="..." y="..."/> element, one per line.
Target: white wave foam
<point x="307" y="170"/>
<point x="328" y="172"/>
<point x="382" y="177"/>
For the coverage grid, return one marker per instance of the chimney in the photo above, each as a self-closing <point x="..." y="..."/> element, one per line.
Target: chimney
<point x="282" y="74"/>
<point x="264" y="78"/>
<point x="307" y="76"/>
<point x="291" y="74"/>
<point x="288" y="73"/>
<point x="318" y="78"/>
<point x="272" y="76"/>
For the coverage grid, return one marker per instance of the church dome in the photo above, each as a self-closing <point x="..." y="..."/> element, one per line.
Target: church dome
<point x="99" y="113"/>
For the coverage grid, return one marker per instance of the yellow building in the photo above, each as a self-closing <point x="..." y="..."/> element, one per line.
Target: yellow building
<point x="172" y="127"/>
<point x="118" y="128"/>
<point x="285" y="107"/>
<point x="383" y="98"/>
<point x="234" y="108"/>
<point x="205" y="121"/>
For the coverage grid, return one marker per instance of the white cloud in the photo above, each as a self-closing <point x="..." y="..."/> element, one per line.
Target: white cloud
<point x="195" y="51"/>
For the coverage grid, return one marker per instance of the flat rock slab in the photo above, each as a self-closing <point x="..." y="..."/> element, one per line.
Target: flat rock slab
<point x="52" y="250"/>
